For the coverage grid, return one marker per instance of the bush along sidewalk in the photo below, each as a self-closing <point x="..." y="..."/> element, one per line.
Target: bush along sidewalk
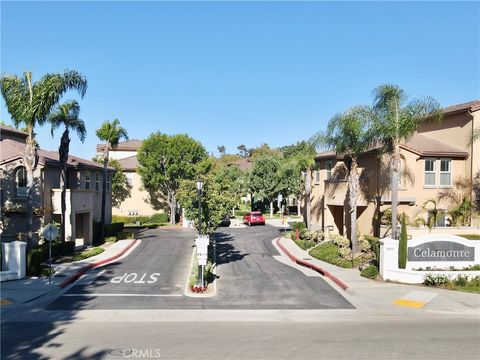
<point x="460" y="283"/>
<point x="88" y="253"/>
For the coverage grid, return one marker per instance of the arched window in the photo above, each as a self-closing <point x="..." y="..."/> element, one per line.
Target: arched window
<point x="21" y="181"/>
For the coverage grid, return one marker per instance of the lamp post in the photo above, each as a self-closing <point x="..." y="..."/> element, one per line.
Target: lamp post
<point x="199" y="192"/>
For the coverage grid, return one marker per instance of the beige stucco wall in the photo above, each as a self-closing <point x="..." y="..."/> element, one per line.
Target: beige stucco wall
<point x="138" y="202"/>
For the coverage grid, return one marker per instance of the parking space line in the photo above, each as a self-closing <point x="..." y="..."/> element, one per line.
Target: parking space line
<point x="125" y="295"/>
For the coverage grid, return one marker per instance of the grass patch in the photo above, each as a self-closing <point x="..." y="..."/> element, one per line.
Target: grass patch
<point x="88" y="253"/>
<point x="330" y="253"/>
<point x="471" y="236"/>
<point x="304" y="244"/>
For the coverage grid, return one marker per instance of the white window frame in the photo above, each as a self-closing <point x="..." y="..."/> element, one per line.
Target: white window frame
<point x="87" y="180"/>
<point x="434" y="172"/>
<point x="449" y="162"/>
<point x="329" y="170"/>
<point x="21" y="191"/>
<point x="109" y="181"/>
<point x="317" y="177"/>
<point x="97" y="181"/>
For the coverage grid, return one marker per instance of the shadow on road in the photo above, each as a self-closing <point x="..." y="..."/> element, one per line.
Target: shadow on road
<point x="226" y="252"/>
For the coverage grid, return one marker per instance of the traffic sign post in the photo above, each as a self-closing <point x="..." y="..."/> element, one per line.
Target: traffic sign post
<point x="50" y="233"/>
<point x="201" y="242"/>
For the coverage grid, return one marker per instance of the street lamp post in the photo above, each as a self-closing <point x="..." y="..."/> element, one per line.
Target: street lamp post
<point x="199" y="192"/>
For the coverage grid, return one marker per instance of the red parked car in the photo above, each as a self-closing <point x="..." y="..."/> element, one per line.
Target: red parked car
<point x="254" y="218"/>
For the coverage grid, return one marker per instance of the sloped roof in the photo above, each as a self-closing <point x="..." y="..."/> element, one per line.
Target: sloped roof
<point x="130" y="163"/>
<point x="243" y="164"/>
<point x="11" y="150"/>
<point x="9" y="129"/>
<point x="424" y="145"/>
<point x="129" y="145"/>
<point x="468" y="106"/>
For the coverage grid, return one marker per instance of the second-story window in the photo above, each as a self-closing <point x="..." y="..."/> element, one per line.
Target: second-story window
<point x="429" y="172"/>
<point x="317" y="176"/>
<point x="129" y="178"/>
<point x="329" y="166"/>
<point x="87" y="180"/>
<point x="109" y="181"/>
<point x="97" y="182"/>
<point x="21" y="181"/>
<point x="445" y="172"/>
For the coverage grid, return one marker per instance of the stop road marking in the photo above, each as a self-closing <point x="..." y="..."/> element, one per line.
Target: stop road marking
<point x="132" y="278"/>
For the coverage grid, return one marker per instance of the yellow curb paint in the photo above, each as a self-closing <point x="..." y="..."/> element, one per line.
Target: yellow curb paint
<point x="410" y="303"/>
<point x="5" y="302"/>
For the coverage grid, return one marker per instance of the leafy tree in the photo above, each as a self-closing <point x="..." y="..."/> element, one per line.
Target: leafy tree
<point x="402" y="246"/>
<point x="265" y="178"/>
<point x="348" y="134"/>
<point x="166" y="160"/>
<point x="243" y="151"/>
<point x="227" y="159"/>
<point x="264" y="149"/>
<point x="66" y="115"/>
<point x="215" y="202"/>
<point x="30" y="103"/>
<point x="231" y="181"/>
<point x="461" y="206"/>
<point x="221" y="149"/>
<point x="121" y="189"/>
<point x="111" y="133"/>
<point x="395" y="120"/>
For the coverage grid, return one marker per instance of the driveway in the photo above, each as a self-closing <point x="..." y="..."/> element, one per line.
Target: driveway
<point x="154" y="276"/>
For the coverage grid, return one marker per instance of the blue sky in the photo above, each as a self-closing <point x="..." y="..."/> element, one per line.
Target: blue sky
<point x="236" y="73"/>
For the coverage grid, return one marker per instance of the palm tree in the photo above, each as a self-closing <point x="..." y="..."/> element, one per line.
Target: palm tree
<point x="349" y="135"/>
<point x="395" y="120"/>
<point x="66" y="115"/>
<point x="30" y="104"/>
<point x="111" y="133"/>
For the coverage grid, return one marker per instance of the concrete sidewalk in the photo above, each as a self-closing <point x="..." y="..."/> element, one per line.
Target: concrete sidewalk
<point x="378" y="296"/>
<point x="20" y="291"/>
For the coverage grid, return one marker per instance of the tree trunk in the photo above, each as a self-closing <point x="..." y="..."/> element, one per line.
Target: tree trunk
<point x="353" y="185"/>
<point x="63" y="153"/>
<point x="395" y="171"/>
<point x="171" y="200"/>
<point x="104" y="191"/>
<point x="308" y="192"/>
<point x="30" y="162"/>
<point x="271" y="209"/>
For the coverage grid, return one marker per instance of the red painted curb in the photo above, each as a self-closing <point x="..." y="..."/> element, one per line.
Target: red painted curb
<point x="311" y="266"/>
<point x="83" y="270"/>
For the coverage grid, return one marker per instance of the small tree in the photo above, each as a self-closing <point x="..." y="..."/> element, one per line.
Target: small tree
<point x="402" y="246"/>
<point x="221" y="150"/>
<point x="166" y="160"/>
<point x="111" y="133"/>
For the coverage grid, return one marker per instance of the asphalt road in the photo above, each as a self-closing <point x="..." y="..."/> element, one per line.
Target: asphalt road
<point x="333" y="337"/>
<point x="153" y="276"/>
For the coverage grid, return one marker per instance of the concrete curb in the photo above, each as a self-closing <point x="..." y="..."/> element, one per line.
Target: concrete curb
<point x="323" y="272"/>
<point x="84" y="269"/>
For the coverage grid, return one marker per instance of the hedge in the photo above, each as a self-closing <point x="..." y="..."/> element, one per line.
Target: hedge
<point x="40" y="254"/>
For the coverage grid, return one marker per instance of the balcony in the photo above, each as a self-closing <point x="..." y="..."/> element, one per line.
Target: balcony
<point x="76" y="200"/>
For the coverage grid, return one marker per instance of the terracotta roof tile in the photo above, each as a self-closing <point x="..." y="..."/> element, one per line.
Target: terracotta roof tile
<point x="129" y="145"/>
<point x="130" y="163"/>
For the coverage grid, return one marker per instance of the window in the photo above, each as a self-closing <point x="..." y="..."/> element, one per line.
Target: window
<point x="329" y="165"/>
<point x="87" y="180"/>
<point x="317" y="176"/>
<point x="21" y="181"/>
<point x="429" y="172"/>
<point x="445" y="172"/>
<point x="441" y="217"/>
<point x="97" y="182"/>
<point x="109" y="179"/>
<point x="129" y="178"/>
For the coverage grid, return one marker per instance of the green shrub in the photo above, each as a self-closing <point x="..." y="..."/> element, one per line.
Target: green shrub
<point x="111" y="239"/>
<point x="97" y="230"/>
<point x="304" y="244"/>
<point x="125" y="235"/>
<point x="113" y="229"/>
<point x="370" y="272"/>
<point x="330" y="253"/>
<point x="35" y="258"/>
<point x="402" y="246"/>
<point x="298" y="226"/>
<point x="241" y="213"/>
<point x="158" y="218"/>
<point x="46" y="271"/>
<point x="436" y="280"/>
<point x="461" y="280"/>
<point x="471" y="236"/>
<point x="88" y="253"/>
<point x="69" y="247"/>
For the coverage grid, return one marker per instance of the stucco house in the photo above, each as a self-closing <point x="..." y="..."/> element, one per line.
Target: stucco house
<point x="138" y="204"/>
<point x="83" y="199"/>
<point x="432" y="160"/>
